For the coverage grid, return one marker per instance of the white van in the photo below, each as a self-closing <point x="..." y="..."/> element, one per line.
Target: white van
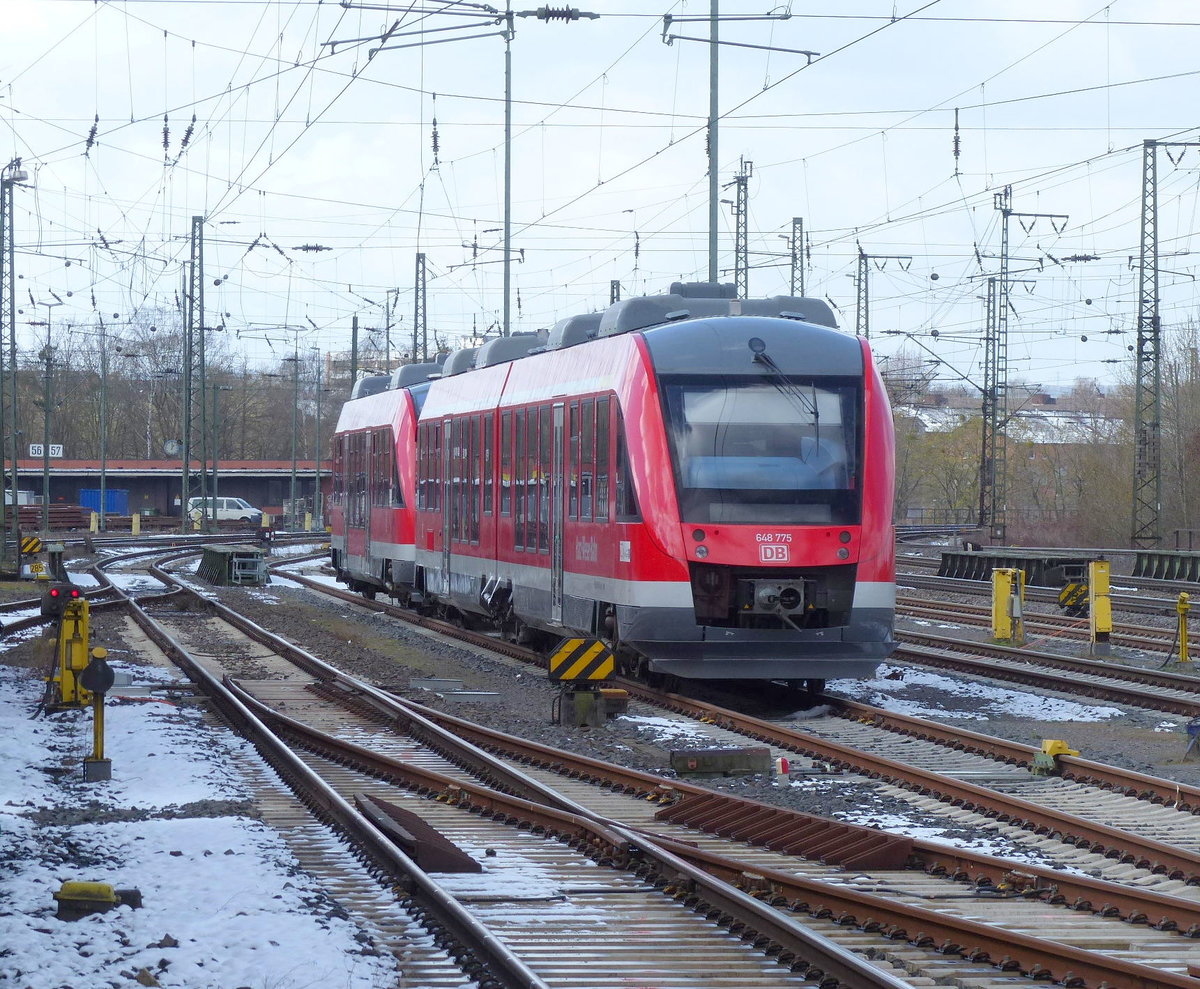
<point x="224" y="509"/>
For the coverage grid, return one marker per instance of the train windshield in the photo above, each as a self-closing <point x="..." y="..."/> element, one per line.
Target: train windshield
<point x="764" y="451"/>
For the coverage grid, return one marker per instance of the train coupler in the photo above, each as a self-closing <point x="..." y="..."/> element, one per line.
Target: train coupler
<point x="1045" y="762"/>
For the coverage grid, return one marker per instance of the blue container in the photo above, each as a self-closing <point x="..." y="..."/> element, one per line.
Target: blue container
<point x="117" y="500"/>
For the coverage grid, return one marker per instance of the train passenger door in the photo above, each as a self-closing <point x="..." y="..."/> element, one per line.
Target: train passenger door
<point x="447" y="500"/>
<point x="556" y="517"/>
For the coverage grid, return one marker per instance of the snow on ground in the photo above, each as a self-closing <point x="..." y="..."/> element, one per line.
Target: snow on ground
<point x="911" y="695"/>
<point x="224" y="905"/>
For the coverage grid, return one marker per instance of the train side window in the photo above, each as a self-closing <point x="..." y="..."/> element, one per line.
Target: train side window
<point x="506" y="463"/>
<point x="587" y="458"/>
<point x="573" y="463"/>
<point x="518" y="480"/>
<point x="602" y="458"/>
<point x="339" y="470"/>
<point x="627" y="505"/>
<point x="476" y="479"/>
<point x="489" y="480"/>
<point x="360" y="479"/>
<point x="434" y="468"/>
<point x="546" y="465"/>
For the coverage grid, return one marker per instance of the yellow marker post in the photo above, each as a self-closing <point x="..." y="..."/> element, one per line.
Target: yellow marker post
<point x="98" y="678"/>
<point x="1183" y="606"/>
<point x="1008" y="605"/>
<point x="135" y="525"/>
<point x="1099" y="607"/>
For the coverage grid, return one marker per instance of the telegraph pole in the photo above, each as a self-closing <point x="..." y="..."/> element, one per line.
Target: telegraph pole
<point x="1147" y="470"/>
<point x="420" y="346"/>
<point x="11" y="175"/>
<point x="996" y="372"/>
<point x="741" y="247"/>
<point x="714" y="192"/>
<point x="1147" y="465"/>
<point x="193" y="375"/>
<point x="796" y="246"/>
<point x="862" y="283"/>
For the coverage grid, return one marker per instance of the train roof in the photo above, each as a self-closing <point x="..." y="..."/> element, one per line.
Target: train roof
<point x="750" y="344"/>
<point x="646" y="311"/>
<point x="804" y="341"/>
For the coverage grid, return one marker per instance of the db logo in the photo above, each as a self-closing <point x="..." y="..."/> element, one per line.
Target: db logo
<point x="773" y="553"/>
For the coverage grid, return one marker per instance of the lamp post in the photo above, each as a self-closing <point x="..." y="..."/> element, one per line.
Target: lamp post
<point x="216" y="437"/>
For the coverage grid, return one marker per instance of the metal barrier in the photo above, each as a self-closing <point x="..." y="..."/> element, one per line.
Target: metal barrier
<point x="1167" y="565"/>
<point x="233" y="565"/>
<point x="1042" y="571"/>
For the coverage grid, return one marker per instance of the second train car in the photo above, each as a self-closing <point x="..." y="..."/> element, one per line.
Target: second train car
<point x="702" y="482"/>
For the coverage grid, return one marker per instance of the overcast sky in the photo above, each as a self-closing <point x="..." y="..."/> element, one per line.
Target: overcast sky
<point x="313" y="165"/>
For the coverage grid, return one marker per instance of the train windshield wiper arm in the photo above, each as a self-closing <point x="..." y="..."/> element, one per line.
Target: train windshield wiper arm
<point x="785" y="385"/>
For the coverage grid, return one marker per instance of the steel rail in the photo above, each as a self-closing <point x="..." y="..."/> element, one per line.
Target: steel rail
<point x="442" y="909"/>
<point x="1112" y="842"/>
<point x="1008" y="950"/>
<point x="1155" y="789"/>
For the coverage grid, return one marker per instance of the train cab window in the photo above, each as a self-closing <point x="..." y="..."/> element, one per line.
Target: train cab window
<point x="627" y="505"/>
<point x="506" y="463"/>
<point x="601" y="459"/>
<point x="763" y="451"/>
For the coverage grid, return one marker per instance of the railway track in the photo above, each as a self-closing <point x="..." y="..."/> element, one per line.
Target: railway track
<point x="823" y="891"/>
<point x="1101" y="858"/>
<point x="634" y="901"/>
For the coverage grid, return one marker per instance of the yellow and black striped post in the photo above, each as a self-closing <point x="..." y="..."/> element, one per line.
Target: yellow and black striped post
<point x="587" y="660"/>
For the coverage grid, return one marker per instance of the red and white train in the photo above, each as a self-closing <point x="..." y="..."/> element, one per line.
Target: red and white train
<point x="704" y="483"/>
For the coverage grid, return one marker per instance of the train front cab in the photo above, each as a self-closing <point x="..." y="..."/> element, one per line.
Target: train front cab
<point x="779" y="455"/>
<point x="373" y="482"/>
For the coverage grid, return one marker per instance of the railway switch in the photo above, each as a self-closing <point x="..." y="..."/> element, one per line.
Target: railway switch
<point x="1008" y="605"/>
<point x="1045" y="762"/>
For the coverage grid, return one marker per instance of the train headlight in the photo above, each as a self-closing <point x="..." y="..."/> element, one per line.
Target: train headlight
<point x="701" y="552"/>
<point x="843" y="553"/>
